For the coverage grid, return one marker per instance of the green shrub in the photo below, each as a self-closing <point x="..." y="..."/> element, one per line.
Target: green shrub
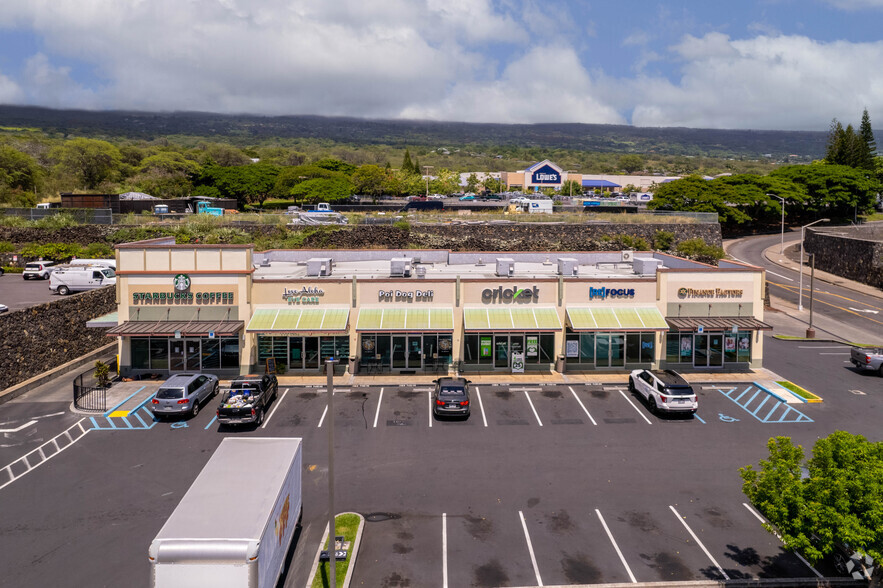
<point x="228" y="236"/>
<point x="636" y="243"/>
<point x="102" y="373"/>
<point x="55" y="251"/>
<point x="13" y="269"/>
<point x="7" y="220"/>
<point x="58" y="221"/>
<point x="98" y="251"/>
<point x="700" y="251"/>
<point x="662" y="240"/>
<point x="6" y="247"/>
<point x="402" y="224"/>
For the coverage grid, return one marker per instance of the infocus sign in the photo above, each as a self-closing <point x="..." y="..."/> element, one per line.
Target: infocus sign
<point x="604" y="292"/>
<point x="509" y="294"/>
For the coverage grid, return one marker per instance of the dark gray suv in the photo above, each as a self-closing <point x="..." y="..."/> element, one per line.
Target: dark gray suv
<point x="182" y="394"/>
<point x="451" y="397"/>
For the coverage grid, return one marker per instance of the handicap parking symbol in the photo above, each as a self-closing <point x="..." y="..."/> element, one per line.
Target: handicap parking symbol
<point x="727" y="419"/>
<point x="179" y="425"/>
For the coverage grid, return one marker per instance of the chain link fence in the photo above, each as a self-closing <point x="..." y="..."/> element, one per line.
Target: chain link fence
<point x="92" y="216"/>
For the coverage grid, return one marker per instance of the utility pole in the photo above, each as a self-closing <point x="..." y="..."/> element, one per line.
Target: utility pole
<point x="332" y="547"/>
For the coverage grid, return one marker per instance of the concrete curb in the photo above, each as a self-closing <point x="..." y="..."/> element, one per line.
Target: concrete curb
<point x="746" y="583"/>
<point x="773" y="394"/>
<point x="40" y="379"/>
<point x="353" y="554"/>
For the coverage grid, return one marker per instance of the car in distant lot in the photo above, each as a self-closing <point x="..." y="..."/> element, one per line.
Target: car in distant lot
<point x="182" y="394"/>
<point x="3" y="308"/>
<point x="451" y="397"/>
<point x="665" y="391"/>
<point x="38" y="270"/>
<point x="468" y="197"/>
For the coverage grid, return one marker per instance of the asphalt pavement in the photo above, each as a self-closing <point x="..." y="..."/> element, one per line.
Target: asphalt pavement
<point x="18" y="293"/>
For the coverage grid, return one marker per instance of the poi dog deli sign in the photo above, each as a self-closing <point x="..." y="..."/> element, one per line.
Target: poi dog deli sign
<point x="404" y="295"/>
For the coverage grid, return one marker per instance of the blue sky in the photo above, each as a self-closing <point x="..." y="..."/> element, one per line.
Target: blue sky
<point x="759" y="64"/>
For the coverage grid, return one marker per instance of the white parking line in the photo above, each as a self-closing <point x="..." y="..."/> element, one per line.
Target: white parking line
<point x="324" y="412"/>
<point x="481" y="406"/>
<point x="429" y="406"/>
<point x="637" y="410"/>
<point x="699" y="543"/>
<point x="275" y="406"/>
<point x="444" y="550"/>
<point x="38" y="456"/>
<point x="526" y="395"/>
<point x="616" y="547"/>
<point x="582" y="405"/>
<point x="820" y="347"/>
<point x="764" y="522"/>
<point x="533" y="558"/>
<point x="377" y="414"/>
<point x="833" y="353"/>
<point x="780" y="276"/>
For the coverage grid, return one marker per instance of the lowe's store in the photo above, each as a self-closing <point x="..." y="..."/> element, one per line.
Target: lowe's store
<point x="228" y="309"/>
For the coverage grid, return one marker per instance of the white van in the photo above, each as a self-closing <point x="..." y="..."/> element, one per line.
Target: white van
<point x="111" y="263"/>
<point x="77" y="278"/>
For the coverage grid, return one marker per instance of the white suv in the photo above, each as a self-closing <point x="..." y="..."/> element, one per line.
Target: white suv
<point x="39" y="270"/>
<point x="664" y="390"/>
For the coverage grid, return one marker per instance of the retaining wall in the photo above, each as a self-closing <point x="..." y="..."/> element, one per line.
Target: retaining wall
<point x="855" y="253"/>
<point x="42" y="337"/>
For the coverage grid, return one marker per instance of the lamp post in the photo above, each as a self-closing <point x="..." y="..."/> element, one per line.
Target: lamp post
<point x="802" y="235"/>
<point x="426" y="169"/>
<point x="810" y="333"/>
<point x="332" y="547"/>
<point x="782" y="248"/>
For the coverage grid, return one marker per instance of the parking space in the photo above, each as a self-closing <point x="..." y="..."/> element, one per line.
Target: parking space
<point x="18" y="293"/>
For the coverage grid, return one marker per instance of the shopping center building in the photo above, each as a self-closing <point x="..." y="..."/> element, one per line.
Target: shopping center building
<point x="227" y="309"/>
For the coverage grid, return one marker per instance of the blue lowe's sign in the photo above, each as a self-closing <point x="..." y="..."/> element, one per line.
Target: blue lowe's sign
<point x="545" y="175"/>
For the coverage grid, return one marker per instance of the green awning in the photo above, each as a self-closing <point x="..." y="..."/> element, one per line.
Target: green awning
<point x="511" y="319"/>
<point x="285" y="320"/>
<point x="616" y="319"/>
<point x="405" y="319"/>
<point x="110" y="319"/>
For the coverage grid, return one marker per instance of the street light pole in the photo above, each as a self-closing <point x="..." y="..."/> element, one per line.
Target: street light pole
<point x="782" y="248"/>
<point x="426" y="169"/>
<point x="810" y="333"/>
<point x="332" y="547"/>
<point x="802" y="235"/>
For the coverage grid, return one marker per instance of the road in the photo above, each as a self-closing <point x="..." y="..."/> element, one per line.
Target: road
<point x="847" y="307"/>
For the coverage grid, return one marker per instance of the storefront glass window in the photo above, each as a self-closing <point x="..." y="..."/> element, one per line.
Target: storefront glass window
<point x="547" y="348"/>
<point x="446" y="347"/>
<point x="342" y="347"/>
<point x="272" y="347"/>
<point x="159" y="354"/>
<point x="211" y="354"/>
<point x="295" y="353"/>
<point x="743" y="344"/>
<point x="471" y="352"/>
<point x="140" y="353"/>
<point x="230" y="353"/>
<point x="633" y="348"/>
<point x="617" y="343"/>
<point x="587" y="348"/>
<point x="648" y="347"/>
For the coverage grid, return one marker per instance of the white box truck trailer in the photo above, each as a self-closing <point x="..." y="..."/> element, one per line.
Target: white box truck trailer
<point x="234" y="525"/>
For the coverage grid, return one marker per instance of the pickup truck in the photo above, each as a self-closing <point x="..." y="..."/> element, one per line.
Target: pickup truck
<point x="867" y="358"/>
<point x="247" y="399"/>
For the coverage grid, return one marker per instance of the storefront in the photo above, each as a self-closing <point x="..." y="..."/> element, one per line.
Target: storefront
<point x="226" y="310"/>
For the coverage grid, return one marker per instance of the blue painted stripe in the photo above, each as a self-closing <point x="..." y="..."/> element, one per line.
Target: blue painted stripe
<point x="770" y="413"/>
<point x="700" y="418"/>
<point x="771" y="393"/>
<point x="765" y="398"/>
<point x="108" y="413"/>
<point x="146" y="400"/>
<point x="745" y="404"/>
<point x="784" y="414"/>
<point x="112" y="425"/>
<point x="211" y="422"/>
<point x="740" y="395"/>
<point x="143" y="424"/>
<point x="128" y="424"/>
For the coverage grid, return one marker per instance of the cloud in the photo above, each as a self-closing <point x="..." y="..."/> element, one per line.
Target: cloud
<point x="855" y="5"/>
<point x="784" y="82"/>
<point x="637" y="38"/>
<point x="49" y="85"/>
<point x="10" y="92"/>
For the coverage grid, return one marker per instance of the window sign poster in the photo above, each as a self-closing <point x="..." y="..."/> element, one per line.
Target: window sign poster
<point x="686" y="346"/>
<point x="517" y="363"/>
<point x="572" y="348"/>
<point x="744" y="342"/>
<point x="485" y="347"/>
<point x="729" y="344"/>
<point x="533" y="345"/>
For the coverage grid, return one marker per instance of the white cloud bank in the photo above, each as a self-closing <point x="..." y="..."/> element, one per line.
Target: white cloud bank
<point x="404" y="59"/>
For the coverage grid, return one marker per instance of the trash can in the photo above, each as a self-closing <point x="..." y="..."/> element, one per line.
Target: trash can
<point x="560" y="363"/>
<point x="354" y="365"/>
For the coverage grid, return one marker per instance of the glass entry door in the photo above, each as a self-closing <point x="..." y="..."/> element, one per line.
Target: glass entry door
<point x="602" y="350"/>
<point x="700" y="350"/>
<point x="716" y="350"/>
<point x="399" y="359"/>
<point x="501" y="351"/>
<point x="184" y="355"/>
<point x="415" y="351"/>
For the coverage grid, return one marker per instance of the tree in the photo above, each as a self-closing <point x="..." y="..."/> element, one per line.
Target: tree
<point x="89" y="160"/>
<point x="336" y="165"/>
<point x="323" y="189"/>
<point x="371" y="180"/>
<point x="835" y="191"/>
<point x="869" y="151"/>
<point x="407" y="166"/>
<point x="631" y="163"/>
<point x="248" y="183"/>
<point x="835" y="497"/>
<point x="471" y="182"/>
<point x="18" y="170"/>
<point x="223" y="155"/>
<point x="571" y="187"/>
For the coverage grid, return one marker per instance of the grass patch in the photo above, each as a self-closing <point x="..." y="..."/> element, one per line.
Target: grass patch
<point x="346" y="525"/>
<point x="795" y="389"/>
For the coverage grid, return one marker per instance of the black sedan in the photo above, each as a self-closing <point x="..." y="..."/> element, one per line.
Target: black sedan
<point x="451" y="397"/>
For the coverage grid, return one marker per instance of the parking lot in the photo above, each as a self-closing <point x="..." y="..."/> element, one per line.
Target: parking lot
<point x="17" y="293"/>
<point x="551" y="484"/>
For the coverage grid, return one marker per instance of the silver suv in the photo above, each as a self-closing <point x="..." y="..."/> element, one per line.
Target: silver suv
<point x="664" y="391"/>
<point x="39" y="270"/>
<point x="183" y="394"/>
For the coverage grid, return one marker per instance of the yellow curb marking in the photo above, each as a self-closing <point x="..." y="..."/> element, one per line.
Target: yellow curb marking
<point x="119" y="413"/>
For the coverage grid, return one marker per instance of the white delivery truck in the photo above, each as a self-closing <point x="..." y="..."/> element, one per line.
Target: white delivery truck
<point x="234" y="525"/>
<point x="77" y="278"/>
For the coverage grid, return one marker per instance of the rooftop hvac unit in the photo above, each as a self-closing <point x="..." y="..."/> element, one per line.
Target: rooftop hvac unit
<point x="505" y="266"/>
<point x="319" y="266"/>
<point x="646" y="265"/>
<point x="400" y="266"/>
<point x="628" y="256"/>
<point x="421" y="271"/>
<point x="568" y="266"/>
